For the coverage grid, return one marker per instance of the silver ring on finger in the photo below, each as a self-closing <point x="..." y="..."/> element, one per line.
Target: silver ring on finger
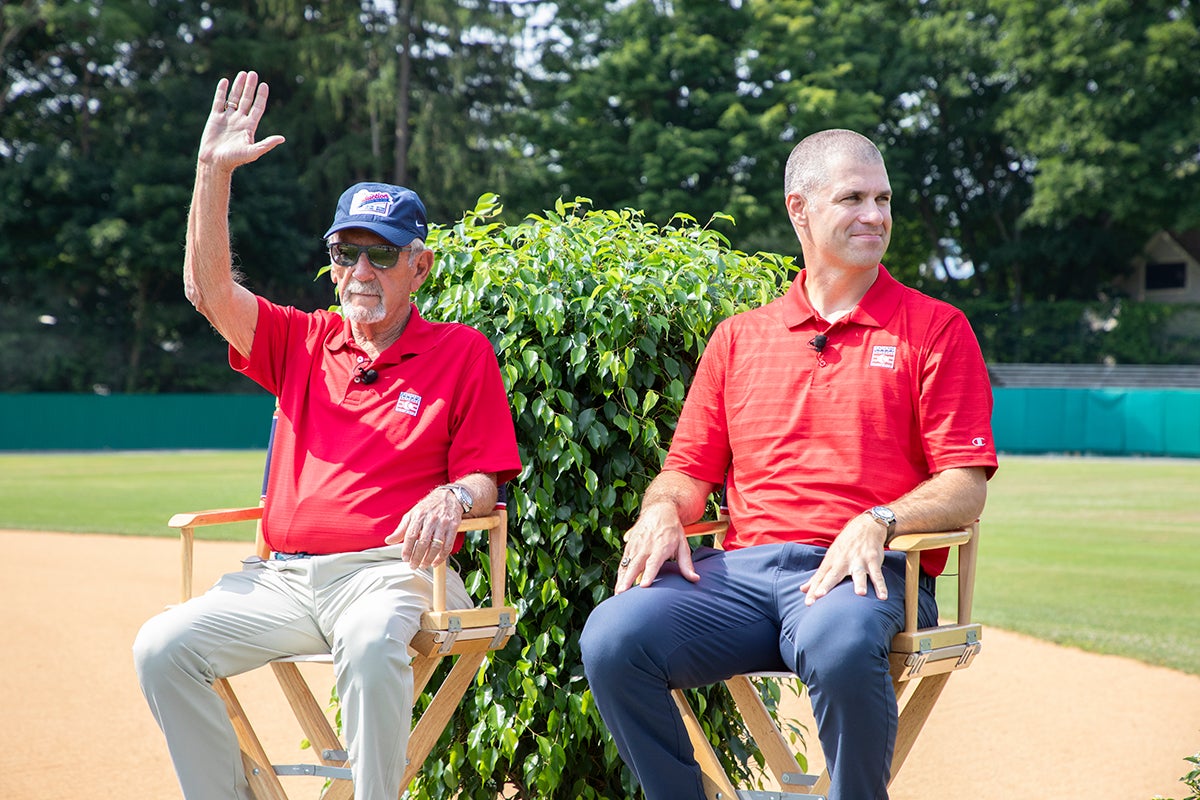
<point x="230" y="105"/>
<point x="625" y="562"/>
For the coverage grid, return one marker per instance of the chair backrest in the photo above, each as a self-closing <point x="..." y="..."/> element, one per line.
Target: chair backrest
<point x="260" y="542"/>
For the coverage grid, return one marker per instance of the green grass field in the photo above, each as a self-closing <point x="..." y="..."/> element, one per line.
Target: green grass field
<point x="1099" y="554"/>
<point x="129" y="493"/>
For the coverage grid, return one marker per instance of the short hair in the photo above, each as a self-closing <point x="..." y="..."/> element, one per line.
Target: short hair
<point x="811" y="160"/>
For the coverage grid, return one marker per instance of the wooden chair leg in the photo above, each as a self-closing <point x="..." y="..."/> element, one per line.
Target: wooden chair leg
<point x="780" y="757"/>
<point x="338" y="790"/>
<point x="913" y="717"/>
<point x="423" y="667"/>
<point x="429" y="729"/>
<point x="308" y="713"/>
<point x="821" y="787"/>
<point x="259" y="773"/>
<point x="314" y="723"/>
<point x="717" y="785"/>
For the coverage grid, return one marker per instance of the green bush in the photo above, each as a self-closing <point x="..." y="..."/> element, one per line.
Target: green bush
<point x="598" y="319"/>
<point x="1191" y="780"/>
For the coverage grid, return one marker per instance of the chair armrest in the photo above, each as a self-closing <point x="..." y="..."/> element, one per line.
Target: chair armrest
<point x="714" y="527"/>
<point x="496" y="524"/>
<point x="479" y="523"/>
<point x="916" y="542"/>
<point x="185" y="523"/>
<point x="216" y="516"/>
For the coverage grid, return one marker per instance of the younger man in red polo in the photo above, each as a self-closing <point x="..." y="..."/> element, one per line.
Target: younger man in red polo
<point x="848" y="411"/>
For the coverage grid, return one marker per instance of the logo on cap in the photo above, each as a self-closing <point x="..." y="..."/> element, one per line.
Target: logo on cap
<point x="369" y="201"/>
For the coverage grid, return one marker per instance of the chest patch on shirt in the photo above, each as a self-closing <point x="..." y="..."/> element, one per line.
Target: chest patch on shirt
<point x="408" y="403"/>
<point x="883" y="355"/>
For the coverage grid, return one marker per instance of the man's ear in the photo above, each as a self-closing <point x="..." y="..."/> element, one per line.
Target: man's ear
<point x="422" y="268"/>
<point x="797" y="209"/>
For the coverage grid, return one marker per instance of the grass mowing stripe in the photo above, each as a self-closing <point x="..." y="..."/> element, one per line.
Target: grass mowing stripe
<point x="129" y="493"/>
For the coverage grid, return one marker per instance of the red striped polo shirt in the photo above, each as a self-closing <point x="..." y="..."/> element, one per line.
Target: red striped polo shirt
<point x="350" y="458"/>
<point x="805" y="440"/>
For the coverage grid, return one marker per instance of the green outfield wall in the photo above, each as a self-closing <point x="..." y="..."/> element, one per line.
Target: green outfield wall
<point x="1141" y="422"/>
<point x="135" y="421"/>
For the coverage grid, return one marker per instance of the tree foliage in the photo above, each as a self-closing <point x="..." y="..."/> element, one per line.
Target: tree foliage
<point x="599" y="318"/>
<point x="103" y="104"/>
<point x="1104" y="110"/>
<point x="695" y="106"/>
<point x="1033" y="150"/>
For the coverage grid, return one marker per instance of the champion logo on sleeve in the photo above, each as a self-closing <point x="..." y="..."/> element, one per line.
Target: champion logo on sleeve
<point x="408" y="403"/>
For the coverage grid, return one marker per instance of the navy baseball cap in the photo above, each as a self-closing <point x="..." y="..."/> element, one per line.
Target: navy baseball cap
<point x="395" y="213"/>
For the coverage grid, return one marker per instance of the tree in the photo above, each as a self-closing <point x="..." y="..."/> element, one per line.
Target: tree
<point x="416" y="92"/>
<point x="691" y="107"/>
<point x="1033" y="149"/>
<point x="1103" y="107"/>
<point x="98" y="98"/>
<point x="1106" y="107"/>
<point x="959" y="184"/>
<point x="91" y="210"/>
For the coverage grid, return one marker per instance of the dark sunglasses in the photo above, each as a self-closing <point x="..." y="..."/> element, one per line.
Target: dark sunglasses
<point x="381" y="256"/>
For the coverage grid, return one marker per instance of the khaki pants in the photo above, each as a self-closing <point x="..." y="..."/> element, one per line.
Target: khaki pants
<point x="364" y="608"/>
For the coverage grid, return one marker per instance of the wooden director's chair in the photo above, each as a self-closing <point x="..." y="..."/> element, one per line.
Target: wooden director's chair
<point x="466" y="635"/>
<point x="921" y="662"/>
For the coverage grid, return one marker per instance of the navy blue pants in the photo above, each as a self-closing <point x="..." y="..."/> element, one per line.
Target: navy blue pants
<point x="747" y="614"/>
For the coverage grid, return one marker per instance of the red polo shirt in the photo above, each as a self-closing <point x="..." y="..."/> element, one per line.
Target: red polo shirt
<point x="350" y="458"/>
<point x="807" y="440"/>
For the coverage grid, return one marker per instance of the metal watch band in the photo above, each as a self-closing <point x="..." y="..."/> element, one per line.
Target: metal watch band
<point x="461" y="494"/>
<point x="876" y="513"/>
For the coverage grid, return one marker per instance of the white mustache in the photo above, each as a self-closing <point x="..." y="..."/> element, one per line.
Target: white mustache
<point x="358" y="287"/>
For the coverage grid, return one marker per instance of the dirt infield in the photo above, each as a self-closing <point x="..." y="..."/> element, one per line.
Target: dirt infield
<point x="1028" y="719"/>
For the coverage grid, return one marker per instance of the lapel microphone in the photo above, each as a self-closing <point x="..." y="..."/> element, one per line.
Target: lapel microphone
<point x="818" y="342"/>
<point x="367" y="376"/>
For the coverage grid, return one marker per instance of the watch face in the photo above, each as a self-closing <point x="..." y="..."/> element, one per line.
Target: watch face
<point x="463" y="496"/>
<point x="884" y="514"/>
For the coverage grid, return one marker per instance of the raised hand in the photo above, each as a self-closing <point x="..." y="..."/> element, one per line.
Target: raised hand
<point x="228" y="138"/>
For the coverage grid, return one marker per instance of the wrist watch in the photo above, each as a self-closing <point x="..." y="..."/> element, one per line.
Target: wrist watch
<point x="461" y="494"/>
<point x="887" y="518"/>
